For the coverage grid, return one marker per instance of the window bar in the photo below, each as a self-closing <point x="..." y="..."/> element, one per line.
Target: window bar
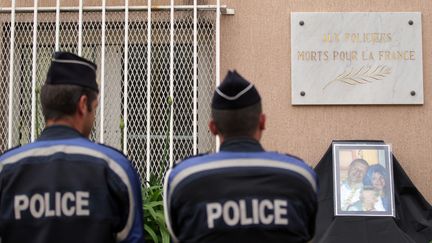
<point x="125" y="80"/>
<point x="80" y="27"/>
<point x="217" y="56"/>
<point x="33" y="99"/>
<point x="57" y="30"/>
<point x="102" y="85"/>
<point x="11" y="73"/>
<point x="224" y="8"/>
<point x="195" y="33"/>
<point x="149" y="49"/>
<point x="171" y="99"/>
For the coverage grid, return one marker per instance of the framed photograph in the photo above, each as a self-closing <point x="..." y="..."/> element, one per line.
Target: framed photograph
<point x="363" y="179"/>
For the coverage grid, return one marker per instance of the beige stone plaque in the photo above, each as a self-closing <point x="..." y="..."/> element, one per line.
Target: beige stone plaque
<point x="356" y="58"/>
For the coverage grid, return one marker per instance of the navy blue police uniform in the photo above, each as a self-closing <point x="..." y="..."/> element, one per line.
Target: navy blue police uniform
<point x="65" y="188"/>
<point x="241" y="193"/>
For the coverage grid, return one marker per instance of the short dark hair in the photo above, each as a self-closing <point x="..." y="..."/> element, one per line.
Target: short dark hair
<point x="239" y="122"/>
<point x="376" y="168"/>
<point x="61" y="100"/>
<point x="359" y="161"/>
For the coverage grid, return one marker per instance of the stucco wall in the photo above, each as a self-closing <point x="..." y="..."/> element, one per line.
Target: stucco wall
<point x="256" y="42"/>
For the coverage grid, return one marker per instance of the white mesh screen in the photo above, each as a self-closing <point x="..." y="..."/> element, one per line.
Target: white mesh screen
<point x="114" y="78"/>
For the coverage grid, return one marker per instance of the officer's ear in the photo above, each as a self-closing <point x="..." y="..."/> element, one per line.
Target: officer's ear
<point x="213" y="128"/>
<point x="82" y="107"/>
<point x="262" y="121"/>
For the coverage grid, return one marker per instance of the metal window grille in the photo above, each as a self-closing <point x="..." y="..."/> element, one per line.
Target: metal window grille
<point x="135" y="108"/>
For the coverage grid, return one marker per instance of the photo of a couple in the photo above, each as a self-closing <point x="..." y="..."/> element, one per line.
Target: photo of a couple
<point x="363" y="180"/>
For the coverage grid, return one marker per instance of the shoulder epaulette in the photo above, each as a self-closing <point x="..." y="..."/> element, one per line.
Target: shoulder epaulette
<point x="190" y="157"/>
<point x="113" y="148"/>
<point x="13" y="148"/>
<point x="196" y="155"/>
<point x="295" y="157"/>
<point x="298" y="158"/>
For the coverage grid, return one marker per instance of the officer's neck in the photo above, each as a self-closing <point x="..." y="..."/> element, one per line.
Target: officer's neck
<point x="256" y="136"/>
<point x="69" y="121"/>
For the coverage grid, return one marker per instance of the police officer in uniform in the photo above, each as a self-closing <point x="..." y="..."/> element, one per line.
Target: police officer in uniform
<point x="63" y="187"/>
<point x="242" y="193"/>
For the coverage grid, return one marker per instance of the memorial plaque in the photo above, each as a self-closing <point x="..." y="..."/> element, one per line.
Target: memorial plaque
<point x="356" y="58"/>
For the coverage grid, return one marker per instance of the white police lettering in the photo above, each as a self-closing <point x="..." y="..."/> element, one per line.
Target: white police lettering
<point x="68" y="211"/>
<point x="262" y="209"/>
<point x="255" y="213"/>
<point x="49" y="212"/>
<point x="280" y="210"/>
<point x="37" y="205"/>
<point x="65" y="204"/>
<point x="214" y="211"/>
<point x="231" y="206"/>
<point x="244" y="219"/>
<point x="81" y="202"/>
<point x="247" y="212"/>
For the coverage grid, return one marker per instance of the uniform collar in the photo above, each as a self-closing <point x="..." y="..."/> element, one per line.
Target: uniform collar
<point x="59" y="132"/>
<point x="241" y="144"/>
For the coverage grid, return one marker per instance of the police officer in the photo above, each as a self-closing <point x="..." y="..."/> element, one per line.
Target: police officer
<point x="63" y="187"/>
<point x="242" y="193"/>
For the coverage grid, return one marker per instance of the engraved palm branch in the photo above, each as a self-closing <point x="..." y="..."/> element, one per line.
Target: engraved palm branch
<point x="366" y="74"/>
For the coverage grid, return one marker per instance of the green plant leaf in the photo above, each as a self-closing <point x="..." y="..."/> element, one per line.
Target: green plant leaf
<point x="151" y="232"/>
<point x="165" y="237"/>
<point x="154" y="219"/>
<point x="153" y="204"/>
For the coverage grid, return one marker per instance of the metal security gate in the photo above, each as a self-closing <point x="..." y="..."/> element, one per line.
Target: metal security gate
<point x="157" y="68"/>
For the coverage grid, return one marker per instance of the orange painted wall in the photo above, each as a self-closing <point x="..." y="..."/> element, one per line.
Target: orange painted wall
<point x="256" y="42"/>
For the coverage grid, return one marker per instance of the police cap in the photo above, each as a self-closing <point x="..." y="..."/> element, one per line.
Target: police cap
<point x="234" y="92"/>
<point x="68" y="68"/>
